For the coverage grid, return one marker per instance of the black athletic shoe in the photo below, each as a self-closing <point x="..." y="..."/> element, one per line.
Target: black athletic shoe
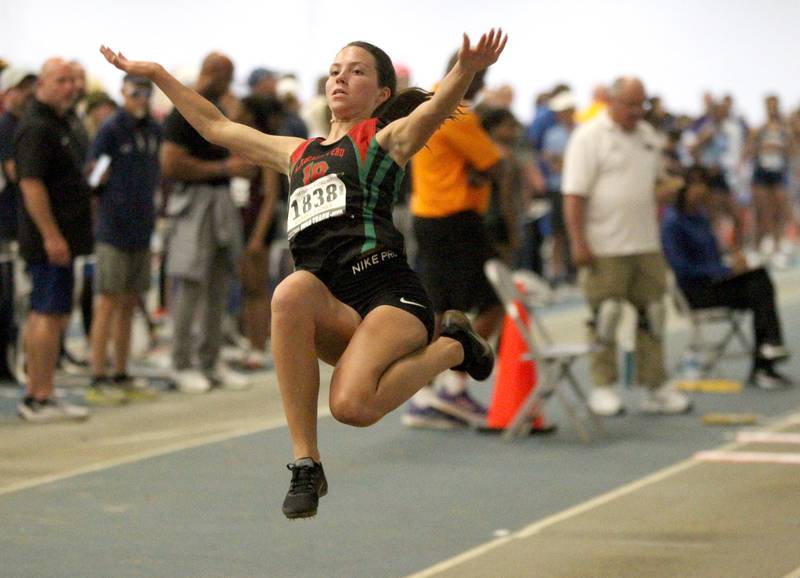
<point x="478" y="355"/>
<point x="307" y="487"/>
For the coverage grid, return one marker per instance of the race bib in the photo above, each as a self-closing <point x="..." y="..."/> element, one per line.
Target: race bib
<point x="324" y="198"/>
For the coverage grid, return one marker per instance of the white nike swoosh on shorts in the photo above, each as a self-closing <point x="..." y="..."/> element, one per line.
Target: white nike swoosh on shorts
<point x="407" y="302"/>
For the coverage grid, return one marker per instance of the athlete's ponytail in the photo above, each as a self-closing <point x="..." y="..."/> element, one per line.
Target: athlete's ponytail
<point x="401" y="104"/>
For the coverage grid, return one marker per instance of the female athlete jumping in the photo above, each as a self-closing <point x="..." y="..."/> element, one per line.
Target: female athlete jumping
<point x="353" y="301"/>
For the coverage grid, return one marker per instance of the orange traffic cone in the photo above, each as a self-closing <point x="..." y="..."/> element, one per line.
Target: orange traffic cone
<point x="515" y="377"/>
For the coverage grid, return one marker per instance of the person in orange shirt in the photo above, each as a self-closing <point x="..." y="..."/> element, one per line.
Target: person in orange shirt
<point x="598" y="105"/>
<point x="450" y="194"/>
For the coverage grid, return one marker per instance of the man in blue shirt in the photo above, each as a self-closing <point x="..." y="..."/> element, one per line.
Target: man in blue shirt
<point x="129" y="142"/>
<point x="691" y="248"/>
<point x="544" y="117"/>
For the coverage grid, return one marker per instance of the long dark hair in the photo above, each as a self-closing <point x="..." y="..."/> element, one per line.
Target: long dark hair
<point x="693" y="174"/>
<point x="397" y="105"/>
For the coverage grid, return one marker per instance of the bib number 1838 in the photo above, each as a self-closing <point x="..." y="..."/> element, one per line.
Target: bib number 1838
<point x="324" y="198"/>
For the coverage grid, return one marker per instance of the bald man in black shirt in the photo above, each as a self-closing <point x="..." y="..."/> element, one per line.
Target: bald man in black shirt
<point x="54" y="228"/>
<point x="206" y="240"/>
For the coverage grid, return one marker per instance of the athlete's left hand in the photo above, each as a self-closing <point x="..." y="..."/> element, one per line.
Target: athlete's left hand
<point x="147" y="70"/>
<point x="483" y="54"/>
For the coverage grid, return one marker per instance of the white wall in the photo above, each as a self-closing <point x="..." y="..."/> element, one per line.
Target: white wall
<point x="679" y="47"/>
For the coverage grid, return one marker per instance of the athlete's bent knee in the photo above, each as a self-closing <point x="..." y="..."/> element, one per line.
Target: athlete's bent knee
<point x="351" y="409"/>
<point x="292" y="296"/>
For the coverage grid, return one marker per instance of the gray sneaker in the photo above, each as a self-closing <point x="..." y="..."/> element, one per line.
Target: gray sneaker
<point x="38" y="411"/>
<point x="771" y="352"/>
<point x="420" y="417"/>
<point x="461" y="406"/>
<point x="104" y="392"/>
<point x="50" y="410"/>
<point x="769" y="379"/>
<point x="71" y="410"/>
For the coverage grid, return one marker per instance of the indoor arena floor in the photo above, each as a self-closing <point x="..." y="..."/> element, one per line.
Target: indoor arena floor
<point x="191" y="486"/>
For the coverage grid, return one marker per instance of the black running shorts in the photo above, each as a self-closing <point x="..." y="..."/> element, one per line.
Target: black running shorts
<point x="381" y="277"/>
<point x="768" y="178"/>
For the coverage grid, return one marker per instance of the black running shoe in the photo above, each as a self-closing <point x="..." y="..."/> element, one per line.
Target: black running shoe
<point x="307" y="487"/>
<point x="478" y="355"/>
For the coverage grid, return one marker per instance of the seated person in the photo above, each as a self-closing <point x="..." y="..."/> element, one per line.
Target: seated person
<point x="692" y="250"/>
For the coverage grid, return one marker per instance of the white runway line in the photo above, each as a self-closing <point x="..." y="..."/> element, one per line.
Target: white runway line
<point x="167" y="434"/>
<point x="794" y="574"/>
<point x="748" y="457"/>
<point x="578" y="509"/>
<point x="265" y="425"/>
<point x="767" y="437"/>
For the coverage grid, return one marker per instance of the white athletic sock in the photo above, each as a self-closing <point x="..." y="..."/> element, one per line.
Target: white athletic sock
<point x="423" y="397"/>
<point x="453" y="382"/>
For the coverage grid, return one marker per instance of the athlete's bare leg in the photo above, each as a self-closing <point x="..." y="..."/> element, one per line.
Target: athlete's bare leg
<point x="308" y="322"/>
<point x="761" y="201"/>
<point x="782" y="211"/>
<point x="386" y="362"/>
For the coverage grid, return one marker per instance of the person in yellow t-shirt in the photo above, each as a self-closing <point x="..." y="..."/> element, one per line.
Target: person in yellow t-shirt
<point x="450" y="194"/>
<point x="598" y="105"/>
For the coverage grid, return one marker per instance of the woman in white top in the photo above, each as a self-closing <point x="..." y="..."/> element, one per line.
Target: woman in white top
<point x="770" y="147"/>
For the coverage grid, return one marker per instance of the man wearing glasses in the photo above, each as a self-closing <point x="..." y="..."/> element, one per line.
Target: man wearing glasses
<point x="612" y="183"/>
<point x="125" y="158"/>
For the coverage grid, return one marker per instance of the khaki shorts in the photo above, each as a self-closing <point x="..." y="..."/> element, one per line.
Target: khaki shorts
<point x="118" y="271"/>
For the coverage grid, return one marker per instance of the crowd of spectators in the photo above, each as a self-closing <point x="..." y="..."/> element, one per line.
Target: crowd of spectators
<point x="575" y="196"/>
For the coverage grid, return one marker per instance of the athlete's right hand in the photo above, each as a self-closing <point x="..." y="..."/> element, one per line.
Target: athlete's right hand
<point x="483" y="54"/>
<point x="134" y="67"/>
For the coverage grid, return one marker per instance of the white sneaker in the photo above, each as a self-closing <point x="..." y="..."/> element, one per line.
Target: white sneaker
<point x="226" y="378"/>
<point x="772" y="352"/>
<point x="605" y="401"/>
<point x="252" y="361"/>
<point x="191" y="381"/>
<point x="769" y="379"/>
<point x="754" y="259"/>
<point x="666" y="400"/>
<point x="256" y="360"/>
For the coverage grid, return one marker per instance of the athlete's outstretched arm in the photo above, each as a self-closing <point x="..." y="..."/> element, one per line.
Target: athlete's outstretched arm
<point x="405" y="136"/>
<point x="208" y="120"/>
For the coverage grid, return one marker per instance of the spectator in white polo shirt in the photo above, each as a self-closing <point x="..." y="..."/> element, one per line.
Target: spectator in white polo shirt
<point x="612" y="167"/>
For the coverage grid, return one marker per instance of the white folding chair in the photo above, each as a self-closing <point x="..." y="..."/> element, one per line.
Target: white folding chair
<point x="707" y="353"/>
<point x="554" y="361"/>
